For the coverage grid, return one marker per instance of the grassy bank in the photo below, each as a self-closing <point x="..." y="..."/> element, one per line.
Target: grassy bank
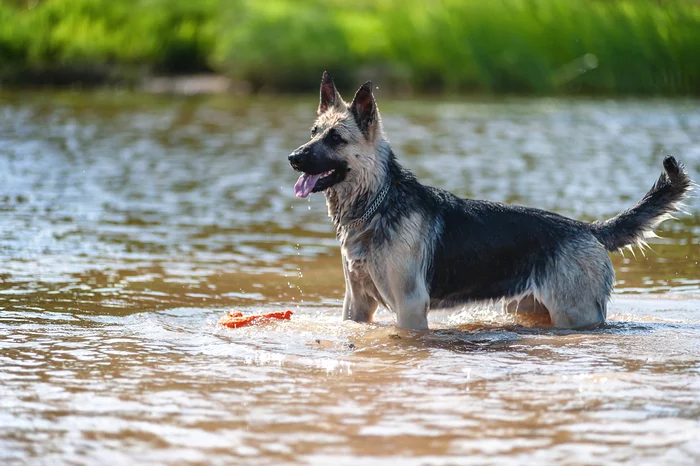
<point x="523" y="46"/>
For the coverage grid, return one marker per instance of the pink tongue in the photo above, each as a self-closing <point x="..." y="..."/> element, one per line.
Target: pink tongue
<point x="305" y="184"/>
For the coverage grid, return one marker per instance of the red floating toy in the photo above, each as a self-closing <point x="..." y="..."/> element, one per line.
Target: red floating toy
<point x="235" y="319"/>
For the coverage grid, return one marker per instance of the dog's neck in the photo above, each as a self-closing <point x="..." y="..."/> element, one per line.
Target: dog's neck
<point x="349" y="201"/>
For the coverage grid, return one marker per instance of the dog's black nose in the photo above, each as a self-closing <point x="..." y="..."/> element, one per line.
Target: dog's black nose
<point x="295" y="158"/>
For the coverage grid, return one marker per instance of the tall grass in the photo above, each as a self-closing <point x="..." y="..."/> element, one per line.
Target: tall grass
<point x="522" y="46"/>
<point x="167" y="36"/>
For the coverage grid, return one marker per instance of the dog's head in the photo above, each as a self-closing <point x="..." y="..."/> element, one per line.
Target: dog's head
<point x="343" y="143"/>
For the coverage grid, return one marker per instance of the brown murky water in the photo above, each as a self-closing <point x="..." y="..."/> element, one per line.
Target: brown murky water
<point x="131" y="223"/>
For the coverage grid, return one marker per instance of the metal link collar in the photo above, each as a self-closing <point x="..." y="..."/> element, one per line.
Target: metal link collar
<point x="372" y="209"/>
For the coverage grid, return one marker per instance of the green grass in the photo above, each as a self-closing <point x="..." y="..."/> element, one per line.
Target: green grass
<point x="518" y="46"/>
<point x="167" y="36"/>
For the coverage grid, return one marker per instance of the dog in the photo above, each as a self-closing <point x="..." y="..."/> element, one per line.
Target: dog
<point x="412" y="248"/>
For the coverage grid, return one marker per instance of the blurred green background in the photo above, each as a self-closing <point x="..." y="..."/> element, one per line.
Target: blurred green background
<point x="513" y="46"/>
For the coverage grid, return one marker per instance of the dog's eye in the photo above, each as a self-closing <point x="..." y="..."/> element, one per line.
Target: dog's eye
<point x="314" y="130"/>
<point x="335" y="138"/>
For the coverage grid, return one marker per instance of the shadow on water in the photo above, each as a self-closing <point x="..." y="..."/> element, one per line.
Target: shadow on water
<point x="509" y="338"/>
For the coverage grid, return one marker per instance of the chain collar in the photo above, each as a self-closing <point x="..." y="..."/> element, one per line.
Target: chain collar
<point x="370" y="211"/>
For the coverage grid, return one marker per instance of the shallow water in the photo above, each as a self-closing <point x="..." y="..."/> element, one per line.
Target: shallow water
<point x="131" y="223"/>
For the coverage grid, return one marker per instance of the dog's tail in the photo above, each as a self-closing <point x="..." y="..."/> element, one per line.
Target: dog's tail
<point x="634" y="225"/>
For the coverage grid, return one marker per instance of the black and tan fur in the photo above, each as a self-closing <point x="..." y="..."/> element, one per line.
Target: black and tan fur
<point x="425" y="248"/>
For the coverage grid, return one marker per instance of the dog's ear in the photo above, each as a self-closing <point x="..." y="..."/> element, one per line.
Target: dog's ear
<point x="364" y="108"/>
<point x="330" y="97"/>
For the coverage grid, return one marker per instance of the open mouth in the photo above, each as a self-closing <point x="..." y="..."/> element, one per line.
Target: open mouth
<point x="308" y="183"/>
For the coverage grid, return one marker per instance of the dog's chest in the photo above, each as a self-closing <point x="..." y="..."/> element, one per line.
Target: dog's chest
<point x="356" y="254"/>
<point x="355" y="263"/>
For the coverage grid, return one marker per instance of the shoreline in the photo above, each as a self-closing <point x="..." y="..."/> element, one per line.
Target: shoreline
<point x="219" y="84"/>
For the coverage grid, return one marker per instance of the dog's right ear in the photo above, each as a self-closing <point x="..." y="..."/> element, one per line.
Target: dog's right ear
<point x="364" y="107"/>
<point x="329" y="94"/>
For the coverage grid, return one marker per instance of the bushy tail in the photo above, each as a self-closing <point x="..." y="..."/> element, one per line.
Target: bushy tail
<point x="632" y="226"/>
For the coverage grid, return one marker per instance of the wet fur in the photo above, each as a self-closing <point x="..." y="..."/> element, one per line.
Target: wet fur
<point x="425" y="248"/>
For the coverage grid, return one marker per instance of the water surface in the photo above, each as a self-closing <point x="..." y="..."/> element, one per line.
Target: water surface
<point x="131" y="223"/>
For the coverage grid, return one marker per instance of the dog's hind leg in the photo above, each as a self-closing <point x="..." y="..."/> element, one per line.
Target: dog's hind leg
<point x="528" y="304"/>
<point x="528" y="311"/>
<point x="587" y="314"/>
<point x="577" y="285"/>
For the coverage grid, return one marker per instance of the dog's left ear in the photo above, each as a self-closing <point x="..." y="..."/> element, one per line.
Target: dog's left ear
<point x="364" y="108"/>
<point x="330" y="97"/>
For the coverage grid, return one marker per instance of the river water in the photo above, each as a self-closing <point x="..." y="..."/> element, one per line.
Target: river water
<point x="131" y="223"/>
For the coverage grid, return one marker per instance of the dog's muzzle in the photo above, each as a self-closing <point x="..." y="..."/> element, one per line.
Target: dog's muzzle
<point x="297" y="157"/>
<point x="318" y="170"/>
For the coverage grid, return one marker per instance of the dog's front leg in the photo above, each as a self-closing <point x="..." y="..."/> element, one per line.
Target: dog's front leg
<point x="359" y="308"/>
<point x="412" y="309"/>
<point x="403" y="288"/>
<point x="358" y="305"/>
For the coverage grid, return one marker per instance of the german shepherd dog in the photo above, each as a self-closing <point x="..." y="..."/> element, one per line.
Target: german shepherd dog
<point x="413" y="248"/>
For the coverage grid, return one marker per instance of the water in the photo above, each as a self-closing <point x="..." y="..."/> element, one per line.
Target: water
<point x="131" y="223"/>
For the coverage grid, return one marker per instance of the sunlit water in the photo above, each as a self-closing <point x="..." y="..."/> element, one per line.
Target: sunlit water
<point x="131" y="223"/>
